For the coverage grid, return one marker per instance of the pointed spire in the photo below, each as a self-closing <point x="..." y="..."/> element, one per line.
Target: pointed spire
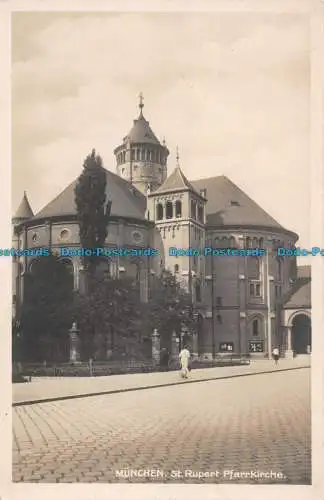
<point x="24" y="211"/>
<point x="177" y="158"/>
<point x="141" y="105"/>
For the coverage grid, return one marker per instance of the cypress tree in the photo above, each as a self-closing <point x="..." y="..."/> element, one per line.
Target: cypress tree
<point x="92" y="210"/>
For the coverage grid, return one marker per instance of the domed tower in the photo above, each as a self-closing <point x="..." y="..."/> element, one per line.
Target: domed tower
<point x="141" y="158"/>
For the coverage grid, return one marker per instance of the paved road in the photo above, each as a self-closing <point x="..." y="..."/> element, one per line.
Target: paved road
<point x="221" y="429"/>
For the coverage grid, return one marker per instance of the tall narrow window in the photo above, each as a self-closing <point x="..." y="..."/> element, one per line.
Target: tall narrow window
<point x="218" y="301"/>
<point x="168" y="210"/>
<point x="193" y="209"/>
<point x="159" y="211"/>
<point x="198" y="292"/>
<point x="279" y="269"/>
<point x="200" y="213"/>
<point x="176" y="268"/>
<point x="178" y="208"/>
<point x="253" y="267"/>
<point x="255" y="328"/>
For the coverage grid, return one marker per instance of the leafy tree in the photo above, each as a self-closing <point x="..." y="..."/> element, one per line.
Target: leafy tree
<point x="45" y="315"/>
<point x="92" y="210"/>
<point x="169" y="308"/>
<point x="112" y="307"/>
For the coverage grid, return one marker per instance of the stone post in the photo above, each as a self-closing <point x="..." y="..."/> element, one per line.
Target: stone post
<point x="156" y="347"/>
<point x="194" y="345"/>
<point x="289" y="352"/>
<point x="174" y="347"/>
<point x="74" y="344"/>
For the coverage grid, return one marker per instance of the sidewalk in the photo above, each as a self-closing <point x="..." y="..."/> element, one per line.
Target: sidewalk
<point x="58" y="388"/>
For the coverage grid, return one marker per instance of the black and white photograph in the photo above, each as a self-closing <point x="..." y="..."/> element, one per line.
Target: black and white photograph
<point x="161" y="252"/>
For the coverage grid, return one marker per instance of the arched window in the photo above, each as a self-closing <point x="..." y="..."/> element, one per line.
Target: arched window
<point x="253" y="265"/>
<point x="178" y="208"/>
<point x="134" y="270"/>
<point x="193" y="209"/>
<point x="255" y="328"/>
<point x="168" y="210"/>
<point x="232" y="242"/>
<point x="248" y="242"/>
<point x="103" y="268"/>
<point x="159" y="211"/>
<point x="33" y="266"/>
<point x="176" y="268"/>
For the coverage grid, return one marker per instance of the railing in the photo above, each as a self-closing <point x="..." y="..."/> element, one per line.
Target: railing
<point x="101" y="368"/>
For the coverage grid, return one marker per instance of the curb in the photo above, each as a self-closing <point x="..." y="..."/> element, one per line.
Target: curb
<point x="141" y="388"/>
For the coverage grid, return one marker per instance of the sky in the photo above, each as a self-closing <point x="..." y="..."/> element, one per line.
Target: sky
<point x="232" y="90"/>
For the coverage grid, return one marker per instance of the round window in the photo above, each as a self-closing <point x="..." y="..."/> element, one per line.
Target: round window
<point x="137" y="237"/>
<point x="64" y="234"/>
<point x="35" y="237"/>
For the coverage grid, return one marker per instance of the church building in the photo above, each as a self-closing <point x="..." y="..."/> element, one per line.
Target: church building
<point x="243" y="304"/>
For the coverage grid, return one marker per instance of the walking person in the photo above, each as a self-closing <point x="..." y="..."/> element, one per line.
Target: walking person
<point x="184" y="357"/>
<point x="275" y="354"/>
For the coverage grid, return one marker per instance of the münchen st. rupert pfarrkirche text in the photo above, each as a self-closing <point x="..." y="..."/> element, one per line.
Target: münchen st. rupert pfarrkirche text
<point x="244" y="303"/>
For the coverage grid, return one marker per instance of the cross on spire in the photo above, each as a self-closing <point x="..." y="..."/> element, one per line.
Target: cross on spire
<point x="141" y="105"/>
<point x="177" y="157"/>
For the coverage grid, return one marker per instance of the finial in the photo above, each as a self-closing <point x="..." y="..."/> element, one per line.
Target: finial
<point x="177" y="157"/>
<point x="141" y="105"/>
<point x="163" y="142"/>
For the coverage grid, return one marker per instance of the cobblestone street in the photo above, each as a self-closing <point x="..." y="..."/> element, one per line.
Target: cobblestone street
<point x="260" y="423"/>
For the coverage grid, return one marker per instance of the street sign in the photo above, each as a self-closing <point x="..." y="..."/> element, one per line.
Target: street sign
<point x="226" y="347"/>
<point x="256" y="346"/>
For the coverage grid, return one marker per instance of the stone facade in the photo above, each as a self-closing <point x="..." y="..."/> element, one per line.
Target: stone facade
<point x="240" y="301"/>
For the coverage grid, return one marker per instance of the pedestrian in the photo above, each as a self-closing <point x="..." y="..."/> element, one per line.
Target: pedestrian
<point x="275" y="354"/>
<point x="184" y="357"/>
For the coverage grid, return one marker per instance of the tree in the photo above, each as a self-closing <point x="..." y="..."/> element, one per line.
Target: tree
<point x="113" y="307"/>
<point x="169" y="309"/>
<point x="92" y="210"/>
<point x="45" y="314"/>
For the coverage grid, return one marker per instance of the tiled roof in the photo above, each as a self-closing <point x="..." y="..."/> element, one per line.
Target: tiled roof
<point x="228" y="205"/>
<point x="177" y="180"/>
<point x="304" y="271"/>
<point x="24" y="210"/>
<point x="126" y="200"/>
<point x="141" y="132"/>
<point x="299" y="295"/>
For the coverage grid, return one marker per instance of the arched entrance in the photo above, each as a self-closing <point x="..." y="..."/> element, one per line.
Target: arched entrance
<point x="301" y="334"/>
